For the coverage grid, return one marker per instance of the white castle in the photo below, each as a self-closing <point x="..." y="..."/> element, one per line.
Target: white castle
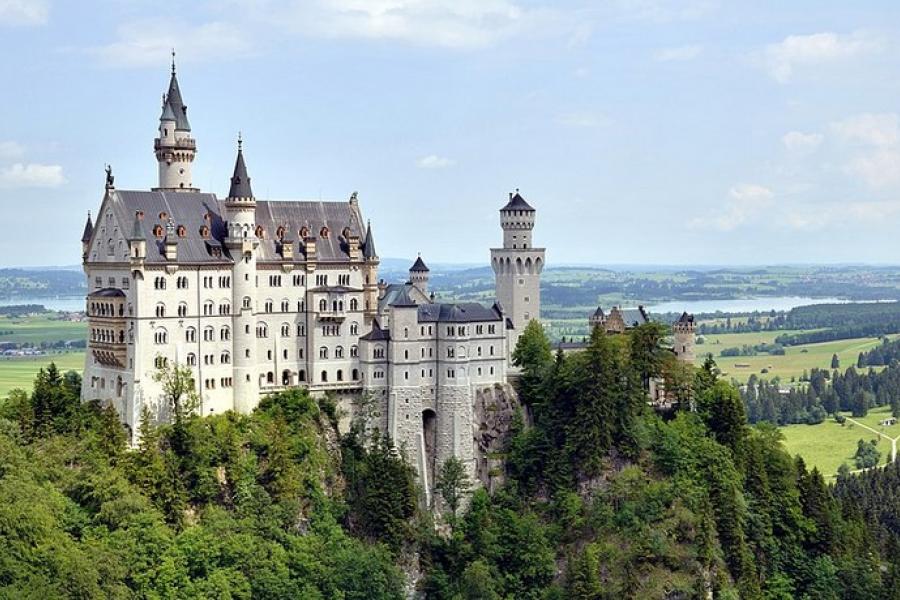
<point x="260" y="296"/>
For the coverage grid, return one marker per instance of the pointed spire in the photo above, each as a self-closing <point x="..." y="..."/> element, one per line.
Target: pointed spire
<point x="173" y="99"/>
<point x="419" y="266"/>
<point x="88" y="229"/>
<point x="240" y="181"/>
<point x="369" y="243"/>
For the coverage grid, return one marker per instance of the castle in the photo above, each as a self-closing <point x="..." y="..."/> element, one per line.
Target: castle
<point x="260" y="296"/>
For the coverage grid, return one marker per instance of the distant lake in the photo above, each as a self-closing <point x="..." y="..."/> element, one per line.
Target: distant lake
<point x="64" y="303"/>
<point x="763" y="304"/>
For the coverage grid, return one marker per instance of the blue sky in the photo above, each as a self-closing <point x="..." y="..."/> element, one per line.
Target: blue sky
<point x="644" y="131"/>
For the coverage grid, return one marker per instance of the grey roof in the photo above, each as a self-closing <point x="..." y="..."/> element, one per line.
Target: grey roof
<point x="377" y="334"/>
<point x="137" y="230"/>
<point x="599" y="312"/>
<point x="634" y="316"/>
<point x="107" y="293"/>
<point x="402" y="298"/>
<point x="167" y="113"/>
<point x="293" y="215"/>
<point x="517" y="202"/>
<point x="88" y="230"/>
<point x="339" y="289"/>
<point x="369" y="243"/>
<point x="419" y="266"/>
<point x="173" y="97"/>
<point x="196" y="209"/>
<point x="463" y="312"/>
<point x="240" y="181"/>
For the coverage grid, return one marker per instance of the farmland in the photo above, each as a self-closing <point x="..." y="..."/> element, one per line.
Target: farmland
<point x="19" y="372"/>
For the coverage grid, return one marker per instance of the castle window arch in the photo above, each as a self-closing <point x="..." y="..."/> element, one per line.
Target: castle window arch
<point x="204" y="232"/>
<point x="161" y="336"/>
<point x="190" y="335"/>
<point x="354" y="328"/>
<point x="246" y="302"/>
<point x="182" y="309"/>
<point x="268" y="306"/>
<point x="191" y="359"/>
<point x="301" y="375"/>
<point x="225" y="358"/>
<point x="324" y="376"/>
<point x="262" y="330"/>
<point x="339" y="375"/>
<point x="285" y="306"/>
<point x="339" y="352"/>
<point x="323" y="352"/>
<point x="354" y="351"/>
<point x="209" y="334"/>
<point x="225" y="333"/>
<point x="285" y="329"/>
<point x="160" y="310"/>
<point x="323" y="305"/>
<point x="354" y="304"/>
<point x="378" y="352"/>
<point x="355" y="375"/>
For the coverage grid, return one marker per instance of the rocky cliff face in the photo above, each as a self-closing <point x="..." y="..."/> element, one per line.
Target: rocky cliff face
<point x="495" y="407"/>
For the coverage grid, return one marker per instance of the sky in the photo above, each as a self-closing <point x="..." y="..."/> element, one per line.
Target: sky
<point x="643" y="131"/>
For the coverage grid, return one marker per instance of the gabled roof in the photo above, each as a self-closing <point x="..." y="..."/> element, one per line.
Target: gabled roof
<point x="419" y="266"/>
<point x="240" y="181"/>
<point x="173" y="98"/>
<point x="88" y="230"/>
<point x="463" y="312"/>
<point x="369" y="243"/>
<point x="634" y="316"/>
<point x="377" y="334"/>
<point x="517" y="202"/>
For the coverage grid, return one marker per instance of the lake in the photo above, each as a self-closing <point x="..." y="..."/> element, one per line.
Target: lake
<point x="63" y="303"/>
<point x="763" y="304"/>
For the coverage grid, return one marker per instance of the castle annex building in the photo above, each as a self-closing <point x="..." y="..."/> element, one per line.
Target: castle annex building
<point x="259" y="296"/>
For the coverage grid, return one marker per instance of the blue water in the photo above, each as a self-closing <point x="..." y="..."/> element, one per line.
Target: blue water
<point x="63" y="303"/>
<point x="764" y="304"/>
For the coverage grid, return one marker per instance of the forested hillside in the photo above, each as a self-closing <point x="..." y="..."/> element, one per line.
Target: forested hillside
<point x="605" y="499"/>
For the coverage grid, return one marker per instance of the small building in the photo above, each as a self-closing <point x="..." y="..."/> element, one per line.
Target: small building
<point x="888" y="422"/>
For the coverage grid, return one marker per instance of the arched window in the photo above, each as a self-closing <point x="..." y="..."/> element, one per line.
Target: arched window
<point x="340" y="375"/>
<point x="160" y="310"/>
<point x="324" y="376"/>
<point x="285" y="330"/>
<point x="180" y="231"/>
<point x="225" y="358"/>
<point x="204" y="232"/>
<point x="190" y="335"/>
<point x="158" y="231"/>
<point x="209" y="334"/>
<point x="246" y="302"/>
<point x="355" y="374"/>
<point x="323" y="352"/>
<point x="354" y="304"/>
<point x="285" y="306"/>
<point x="379" y="352"/>
<point x="339" y="352"/>
<point x="354" y="328"/>
<point x="268" y="306"/>
<point x="161" y="336"/>
<point x="301" y="375"/>
<point x="262" y="330"/>
<point x="225" y="308"/>
<point x="191" y="359"/>
<point x="304" y="232"/>
<point x="354" y="351"/>
<point x="225" y="333"/>
<point x="182" y="310"/>
<point x="323" y="305"/>
<point x="270" y="377"/>
<point x="208" y="307"/>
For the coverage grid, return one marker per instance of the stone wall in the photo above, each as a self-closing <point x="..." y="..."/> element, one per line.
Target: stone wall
<point x="495" y="408"/>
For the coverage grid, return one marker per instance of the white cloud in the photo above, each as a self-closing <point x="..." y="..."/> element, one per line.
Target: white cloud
<point x="817" y="49"/>
<point x="24" y="12"/>
<point x="880" y="168"/>
<point x="875" y="129"/>
<point x="746" y="202"/>
<point x="797" y="142"/>
<point x="22" y="175"/>
<point x="10" y="150"/>
<point x="820" y="215"/>
<point x="433" y="161"/>
<point x="582" y="119"/>
<point x="148" y="43"/>
<point x="446" y="23"/>
<point x="678" y="53"/>
<point x="664" y="11"/>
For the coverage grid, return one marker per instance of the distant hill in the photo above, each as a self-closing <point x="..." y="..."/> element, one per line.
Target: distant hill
<point x="49" y="281"/>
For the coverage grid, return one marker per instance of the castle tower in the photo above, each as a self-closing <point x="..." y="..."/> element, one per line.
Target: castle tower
<point x="86" y="237"/>
<point x="174" y="148"/>
<point x="242" y="243"/>
<point x="517" y="267"/>
<point x="684" y="337"/>
<point x="419" y="274"/>
<point x="370" y="276"/>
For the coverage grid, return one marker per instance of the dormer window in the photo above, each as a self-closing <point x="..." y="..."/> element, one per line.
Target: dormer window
<point x="346" y="233"/>
<point x="260" y="232"/>
<point x="280" y="232"/>
<point x="204" y="232"/>
<point x="158" y="231"/>
<point x="163" y="216"/>
<point x="304" y="232"/>
<point x="180" y="231"/>
<point x="323" y="232"/>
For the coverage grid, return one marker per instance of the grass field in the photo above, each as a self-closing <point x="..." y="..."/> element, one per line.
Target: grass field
<point x="792" y="364"/>
<point x="829" y="444"/>
<point x="20" y="372"/>
<point x="39" y="329"/>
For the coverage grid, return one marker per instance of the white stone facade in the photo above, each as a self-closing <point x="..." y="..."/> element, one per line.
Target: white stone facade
<point x="256" y="297"/>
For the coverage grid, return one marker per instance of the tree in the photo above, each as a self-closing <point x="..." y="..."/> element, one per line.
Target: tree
<point x="181" y="397"/>
<point x="867" y="455"/>
<point x="533" y="355"/>
<point x="453" y="483"/>
<point x="723" y="411"/>
<point x="835" y="362"/>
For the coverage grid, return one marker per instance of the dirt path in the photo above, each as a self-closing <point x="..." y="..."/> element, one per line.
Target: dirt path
<point x="893" y="441"/>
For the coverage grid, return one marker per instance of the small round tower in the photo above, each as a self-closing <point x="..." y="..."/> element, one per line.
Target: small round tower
<point x="683" y="329"/>
<point x="174" y="148"/>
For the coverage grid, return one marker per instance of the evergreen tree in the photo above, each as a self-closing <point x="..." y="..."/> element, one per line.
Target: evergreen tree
<point x="835" y="362"/>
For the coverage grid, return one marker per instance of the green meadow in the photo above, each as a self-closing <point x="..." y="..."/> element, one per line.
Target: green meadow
<point x="792" y="364"/>
<point x="19" y="372"/>
<point x="39" y="328"/>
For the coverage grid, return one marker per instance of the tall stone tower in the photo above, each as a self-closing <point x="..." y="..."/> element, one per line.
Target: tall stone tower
<point x="242" y="243"/>
<point x="174" y="148"/>
<point x="419" y="275"/>
<point x="683" y="329"/>
<point x="517" y="267"/>
<point x="370" y="276"/>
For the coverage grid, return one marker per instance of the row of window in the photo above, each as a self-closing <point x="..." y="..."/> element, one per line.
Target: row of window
<point x="210" y="384"/>
<point x="111" y="282"/>
<point x="106" y="309"/>
<point x="108" y="336"/>
<point x="459" y="330"/>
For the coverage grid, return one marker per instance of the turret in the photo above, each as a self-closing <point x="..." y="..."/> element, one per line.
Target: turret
<point x="419" y="274"/>
<point x="517" y="267"/>
<point x="683" y="329"/>
<point x="370" y="274"/>
<point x="174" y="148"/>
<point x="86" y="237"/>
<point x="137" y="241"/>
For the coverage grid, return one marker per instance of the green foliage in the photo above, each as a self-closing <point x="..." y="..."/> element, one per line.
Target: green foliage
<point x="867" y="454"/>
<point x="453" y="484"/>
<point x="247" y="509"/>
